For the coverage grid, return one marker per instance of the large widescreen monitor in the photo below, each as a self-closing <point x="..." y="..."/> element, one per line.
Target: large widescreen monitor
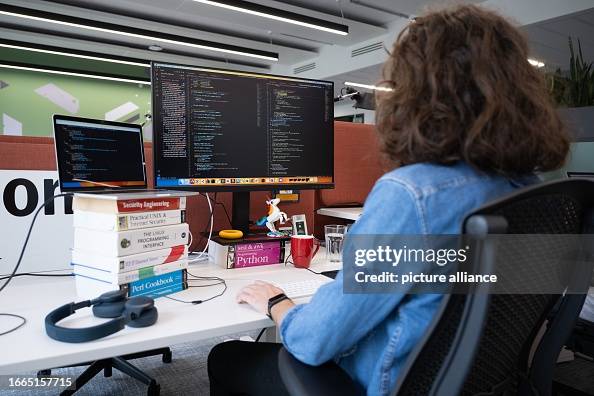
<point x="222" y="130"/>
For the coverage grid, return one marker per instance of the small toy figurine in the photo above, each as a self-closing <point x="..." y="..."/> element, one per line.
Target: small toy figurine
<point x="274" y="215"/>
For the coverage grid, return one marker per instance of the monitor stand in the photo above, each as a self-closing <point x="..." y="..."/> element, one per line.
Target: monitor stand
<point x="240" y="216"/>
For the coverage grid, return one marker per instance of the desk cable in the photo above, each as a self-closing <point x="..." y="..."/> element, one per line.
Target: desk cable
<point x="16" y="267"/>
<point x="215" y="203"/>
<point x="215" y="280"/>
<point x="260" y="334"/>
<point x="38" y="274"/>
<point x="24" y="320"/>
<point x="211" y="224"/>
<point x="20" y="259"/>
<point x="212" y="204"/>
<point x="288" y="261"/>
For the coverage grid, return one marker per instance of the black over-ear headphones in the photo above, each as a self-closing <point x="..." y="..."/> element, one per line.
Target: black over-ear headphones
<point x="137" y="311"/>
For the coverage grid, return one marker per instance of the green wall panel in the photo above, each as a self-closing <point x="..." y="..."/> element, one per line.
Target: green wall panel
<point x="31" y="98"/>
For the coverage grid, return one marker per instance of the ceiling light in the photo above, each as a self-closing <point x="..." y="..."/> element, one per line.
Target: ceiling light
<point x="104" y="27"/>
<point x="279" y="15"/>
<point x="367" y="86"/>
<point x="536" y="63"/>
<point x="72" y="53"/>
<point x="71" y="73"/>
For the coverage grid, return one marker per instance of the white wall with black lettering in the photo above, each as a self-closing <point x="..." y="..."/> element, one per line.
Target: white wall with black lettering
<point x="51" y="240"/>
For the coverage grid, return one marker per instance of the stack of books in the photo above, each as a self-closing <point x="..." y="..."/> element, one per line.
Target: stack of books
<point x="137" y="245"/>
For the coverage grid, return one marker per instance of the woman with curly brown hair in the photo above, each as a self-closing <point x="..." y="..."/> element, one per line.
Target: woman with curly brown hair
<point x="467" y="120"/>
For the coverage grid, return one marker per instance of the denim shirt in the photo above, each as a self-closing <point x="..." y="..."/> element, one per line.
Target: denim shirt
<point x="371" y="335"/>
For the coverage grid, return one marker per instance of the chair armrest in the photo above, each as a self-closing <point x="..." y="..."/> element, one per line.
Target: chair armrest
<point x="303" y="380"/>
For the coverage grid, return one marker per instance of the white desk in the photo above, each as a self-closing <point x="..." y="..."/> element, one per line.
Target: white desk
<point x="30" y="349"/>
<point x="342" y="213"/>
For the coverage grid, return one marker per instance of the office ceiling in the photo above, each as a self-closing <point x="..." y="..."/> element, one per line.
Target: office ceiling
<point x="549" y="39"/>
<point x="548" y="42"/>
<point x="191" y="19"/>
<point x="372" y="26"/>
<point x="365" y="19"/>
<point x="375" y="12"/>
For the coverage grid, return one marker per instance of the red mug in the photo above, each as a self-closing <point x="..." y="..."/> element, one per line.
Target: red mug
<point x="302" y="250"/>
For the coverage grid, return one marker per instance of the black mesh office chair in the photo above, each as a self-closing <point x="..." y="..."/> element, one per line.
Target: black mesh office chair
<point x="480" y="343"/>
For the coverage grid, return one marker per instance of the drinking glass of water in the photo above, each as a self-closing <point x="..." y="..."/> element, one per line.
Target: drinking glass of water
<point x="334" y="239"/>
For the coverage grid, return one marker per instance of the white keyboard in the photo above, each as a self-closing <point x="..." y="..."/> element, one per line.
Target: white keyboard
<point x="306" y="288"/>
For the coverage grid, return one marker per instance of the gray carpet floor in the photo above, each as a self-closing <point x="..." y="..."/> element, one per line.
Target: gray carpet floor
<point x="185" y="375"/>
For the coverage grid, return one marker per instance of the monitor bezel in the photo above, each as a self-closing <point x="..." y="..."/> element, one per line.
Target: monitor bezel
<point x="57" y="117"/>
<point x="239" y="188"/>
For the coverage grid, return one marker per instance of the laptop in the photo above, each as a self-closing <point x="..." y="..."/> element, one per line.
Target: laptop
<point x="102" y="157"/>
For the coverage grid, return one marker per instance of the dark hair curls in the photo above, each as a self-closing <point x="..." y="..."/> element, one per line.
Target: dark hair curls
<point x="463" y="89"/>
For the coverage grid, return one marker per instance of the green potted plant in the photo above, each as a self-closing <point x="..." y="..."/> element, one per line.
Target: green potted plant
<point x="574" y="93"/>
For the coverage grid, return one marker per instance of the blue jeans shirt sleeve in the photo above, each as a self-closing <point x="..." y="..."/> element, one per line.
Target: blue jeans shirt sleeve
<point x="332" y="323"/>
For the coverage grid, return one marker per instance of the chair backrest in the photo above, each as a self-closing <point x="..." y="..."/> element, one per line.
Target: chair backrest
<point x="480" y="343"/>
